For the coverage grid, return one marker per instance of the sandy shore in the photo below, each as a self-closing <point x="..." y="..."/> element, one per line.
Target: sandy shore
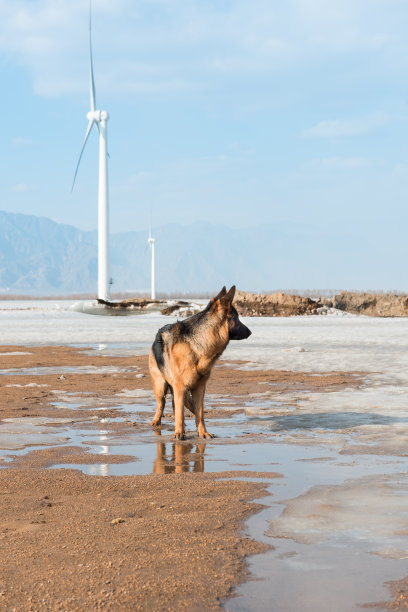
<point x="76" y="542"/>
<point x="165" y="541"/>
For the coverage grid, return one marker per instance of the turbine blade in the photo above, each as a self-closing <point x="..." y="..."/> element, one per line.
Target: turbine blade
<point x="91" y="74"/>
<point x="88" y="131"/>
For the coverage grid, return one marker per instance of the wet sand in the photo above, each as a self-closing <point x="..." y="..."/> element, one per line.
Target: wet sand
<point x="76" y="542"/>
<point x="169" y="540"/>
<point x="399" y="589"/>
<point x="33" y="377"/>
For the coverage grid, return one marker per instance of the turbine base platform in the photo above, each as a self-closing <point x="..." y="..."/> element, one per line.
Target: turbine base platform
<point x="137" y="306"/>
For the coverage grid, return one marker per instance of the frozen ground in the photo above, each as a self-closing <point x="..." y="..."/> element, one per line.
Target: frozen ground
<point x="338" y="520"/>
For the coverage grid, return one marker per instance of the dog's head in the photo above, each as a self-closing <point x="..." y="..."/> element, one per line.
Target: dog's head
<point x="223" y="301"/>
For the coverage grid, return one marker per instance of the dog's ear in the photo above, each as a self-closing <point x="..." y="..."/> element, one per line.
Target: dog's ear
<point x="216" y="300"/>
<point x="228" y="297"/>
<point x="220" y="294"/>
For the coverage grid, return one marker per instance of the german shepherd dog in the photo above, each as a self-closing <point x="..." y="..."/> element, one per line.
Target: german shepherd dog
<point x="183" y="355"/>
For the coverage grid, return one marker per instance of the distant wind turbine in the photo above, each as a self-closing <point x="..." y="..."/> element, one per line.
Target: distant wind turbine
<point x="151" y="242"/>
<point x="99" y="118"/>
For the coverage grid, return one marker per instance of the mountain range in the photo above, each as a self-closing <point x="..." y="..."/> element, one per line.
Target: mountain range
<point x="40" y="256"/>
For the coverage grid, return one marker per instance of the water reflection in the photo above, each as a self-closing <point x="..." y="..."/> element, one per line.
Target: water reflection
<point x="180" y="458"/>
<point x="102" y="469"/>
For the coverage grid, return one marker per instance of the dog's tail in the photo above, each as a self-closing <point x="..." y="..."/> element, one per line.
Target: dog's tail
<point x="158" y="346"/>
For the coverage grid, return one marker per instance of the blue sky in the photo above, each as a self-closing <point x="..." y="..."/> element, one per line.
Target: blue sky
<point x="240" y="112"/>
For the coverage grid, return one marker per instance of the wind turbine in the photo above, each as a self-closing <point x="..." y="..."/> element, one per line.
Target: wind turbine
<point x="151" y="242"/>
<point x="99" y="118"/>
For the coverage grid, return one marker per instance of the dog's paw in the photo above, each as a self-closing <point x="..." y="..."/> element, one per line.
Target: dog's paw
<point x="156" y="423"/>
<point x="203" y="433"/>
<point x="179" y="435"/>
<point x="206" y="435"/>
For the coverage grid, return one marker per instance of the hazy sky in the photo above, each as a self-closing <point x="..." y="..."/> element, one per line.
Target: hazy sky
<point x="235" y="111"/>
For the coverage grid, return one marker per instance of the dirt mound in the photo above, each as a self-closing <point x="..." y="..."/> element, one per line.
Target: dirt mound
<point x="371" y="304"/>
<point x="274" y="305"/>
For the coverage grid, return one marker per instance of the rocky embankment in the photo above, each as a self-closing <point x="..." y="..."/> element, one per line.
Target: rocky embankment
<point x="279" y="305"/>
<point x="371" y="304"/>
<point x="285" y="305"/>
<point x="274" y="305"/>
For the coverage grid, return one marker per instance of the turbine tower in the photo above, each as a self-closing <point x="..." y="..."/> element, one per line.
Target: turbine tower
<point x="151" y="242"/>
<point x="99" y="118"/>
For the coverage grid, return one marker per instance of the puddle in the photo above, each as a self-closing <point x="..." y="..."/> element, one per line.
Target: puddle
<point x="336" y="542"/>
<point x="27" y="385"/>
<point x="332" y="421"/>
<point x="136" y="393"/>
<point x="43" y="370"/>
<point x="24" y="433"/>
<point x="357" y="510"/>
<point x="327" y="578"/>
<point x="12" y="353"/>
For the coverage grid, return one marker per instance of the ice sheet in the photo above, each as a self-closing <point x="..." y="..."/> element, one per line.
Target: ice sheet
<point x="313" y="343"/>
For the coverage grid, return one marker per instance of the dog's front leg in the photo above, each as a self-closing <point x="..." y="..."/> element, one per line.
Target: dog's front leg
<point x="178" y="394"/>
<point x="198" y="401"/>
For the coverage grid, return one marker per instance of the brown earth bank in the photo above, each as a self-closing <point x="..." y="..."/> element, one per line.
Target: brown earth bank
<point x="286" y="305"/>
<point x="371" y="304"/>
<point x="274" y="305"/>
<point x="76" y="542"/>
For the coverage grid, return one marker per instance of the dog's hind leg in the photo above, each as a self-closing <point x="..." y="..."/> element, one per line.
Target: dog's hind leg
<point x="188" y="402"/>
<point x="198" y="401"/>
<point x="160" y="388"/>
<point x="160" y="394"/>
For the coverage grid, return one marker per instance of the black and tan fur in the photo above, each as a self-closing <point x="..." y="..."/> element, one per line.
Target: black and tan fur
<point x="183" y="354"/>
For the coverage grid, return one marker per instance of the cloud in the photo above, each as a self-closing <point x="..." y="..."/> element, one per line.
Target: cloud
<point x="184" y="174"/>
<point x="346" y="26"/>
<point x="22" y="188"/>
<point x="21" y="142"/>
<point x="340" y="128"/>
<point x="145" y="46"/>
<point x="339" y="163"/>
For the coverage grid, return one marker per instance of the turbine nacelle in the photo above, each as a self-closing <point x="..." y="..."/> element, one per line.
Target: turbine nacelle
<point x="97" y="115"/>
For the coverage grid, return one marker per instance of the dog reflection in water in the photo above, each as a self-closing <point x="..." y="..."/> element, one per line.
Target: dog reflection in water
<point x="182" y="458"/>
